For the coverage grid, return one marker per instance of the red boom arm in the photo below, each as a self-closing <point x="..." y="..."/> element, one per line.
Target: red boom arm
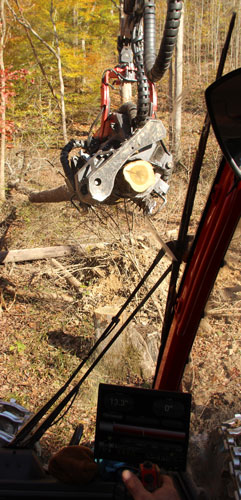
<point x="214" y="234"/>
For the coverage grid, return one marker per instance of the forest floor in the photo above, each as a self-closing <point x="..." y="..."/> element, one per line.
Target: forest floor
<point x="47" y="327"/>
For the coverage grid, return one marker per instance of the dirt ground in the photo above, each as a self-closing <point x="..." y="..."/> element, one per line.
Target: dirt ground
<point x="47" y="325"/>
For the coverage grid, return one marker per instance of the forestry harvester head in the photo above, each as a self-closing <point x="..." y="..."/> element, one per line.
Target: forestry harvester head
<point x="126" y="158"/>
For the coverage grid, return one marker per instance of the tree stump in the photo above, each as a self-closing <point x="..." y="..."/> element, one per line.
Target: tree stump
<point x="102" y="317"/>
<point x="129" y="354"/>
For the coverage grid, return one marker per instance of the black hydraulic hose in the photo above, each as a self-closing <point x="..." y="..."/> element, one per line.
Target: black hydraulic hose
<point x="64" y="158"/>
<point x="155" y="67"/>
<point x="150" y="67"/>
<point x="149" y="34"/>
<point x="143" y="97"/>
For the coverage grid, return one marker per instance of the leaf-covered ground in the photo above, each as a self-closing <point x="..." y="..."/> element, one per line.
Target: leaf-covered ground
<point x="47" y="326"/>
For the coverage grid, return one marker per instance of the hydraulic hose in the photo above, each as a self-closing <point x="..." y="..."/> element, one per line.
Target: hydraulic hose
<point x="155" y="67"/>
<point x="143" y="97"/>
<point x="64" y="158"/>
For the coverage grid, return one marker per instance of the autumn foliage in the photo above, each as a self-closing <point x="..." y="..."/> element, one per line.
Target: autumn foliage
<point x="86" y="32"/>
<point x="7" y="79"/>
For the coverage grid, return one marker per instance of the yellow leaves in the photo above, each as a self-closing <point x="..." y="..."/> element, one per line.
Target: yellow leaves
<point x="86" y="34"/>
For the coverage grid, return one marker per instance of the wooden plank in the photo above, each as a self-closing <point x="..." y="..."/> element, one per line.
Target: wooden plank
<point x="35" y="253"/>
<point x="22" y="255"/>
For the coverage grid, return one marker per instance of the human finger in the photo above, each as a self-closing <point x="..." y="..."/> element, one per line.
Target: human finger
<point x="135" y="486"/>
<point x="167" y="490"/>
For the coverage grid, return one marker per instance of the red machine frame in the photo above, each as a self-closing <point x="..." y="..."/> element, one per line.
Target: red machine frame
<point x="118" y="74"/>
<point x="216" y="228"/>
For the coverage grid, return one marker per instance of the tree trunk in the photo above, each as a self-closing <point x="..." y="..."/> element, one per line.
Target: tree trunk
<point x="2" y="104"/>
<point x="170" y="101"/>
<point x="178" y="91"/>
<point x="125" y="88"/>
<point x="61" y="193"/>
<point x="56" y="54"/>
<point x="61" y="81"/>
<point x="41" y="67"/>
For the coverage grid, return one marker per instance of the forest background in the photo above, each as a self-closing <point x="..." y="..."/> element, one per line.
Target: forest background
<point x="55" y="52"/>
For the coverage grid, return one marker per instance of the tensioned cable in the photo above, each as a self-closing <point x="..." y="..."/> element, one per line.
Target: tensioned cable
<point x="38" y="433"/>
<point x="24" y="431"/>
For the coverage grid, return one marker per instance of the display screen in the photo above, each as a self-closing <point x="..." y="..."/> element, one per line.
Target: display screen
<point x="134" y="425"/>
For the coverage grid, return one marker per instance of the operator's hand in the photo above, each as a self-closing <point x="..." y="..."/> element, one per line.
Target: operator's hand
<point x="166" y="492"/>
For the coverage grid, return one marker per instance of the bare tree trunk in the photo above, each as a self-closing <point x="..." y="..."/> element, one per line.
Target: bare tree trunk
<point x="126" y="88"/>
<point x="216" y="33"/>
<point x="83" y="47"/>
<point x="170" y="101"/>
<point x="2" y="103"/>
<point x="56" y="53"/>
<point x="178" y="91"/>
<point x="237" y="45"/>
<point x="126" y="92"/>
<point x="199" y="39"/>
<point x="61" y="81"/>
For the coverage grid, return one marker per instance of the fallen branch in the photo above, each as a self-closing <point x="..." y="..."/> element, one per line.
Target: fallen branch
<point x="26" y="295"/>
<point x="67" y="275"/>
<point x="221" y="312"/>
<point x="16" y="184"/>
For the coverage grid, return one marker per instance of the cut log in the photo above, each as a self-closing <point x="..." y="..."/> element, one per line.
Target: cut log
<point x="56" y="195"/>
<point x="139" y="174"/>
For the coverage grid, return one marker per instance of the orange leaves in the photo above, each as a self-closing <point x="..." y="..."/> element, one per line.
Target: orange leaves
<point x="7" y="77"/>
